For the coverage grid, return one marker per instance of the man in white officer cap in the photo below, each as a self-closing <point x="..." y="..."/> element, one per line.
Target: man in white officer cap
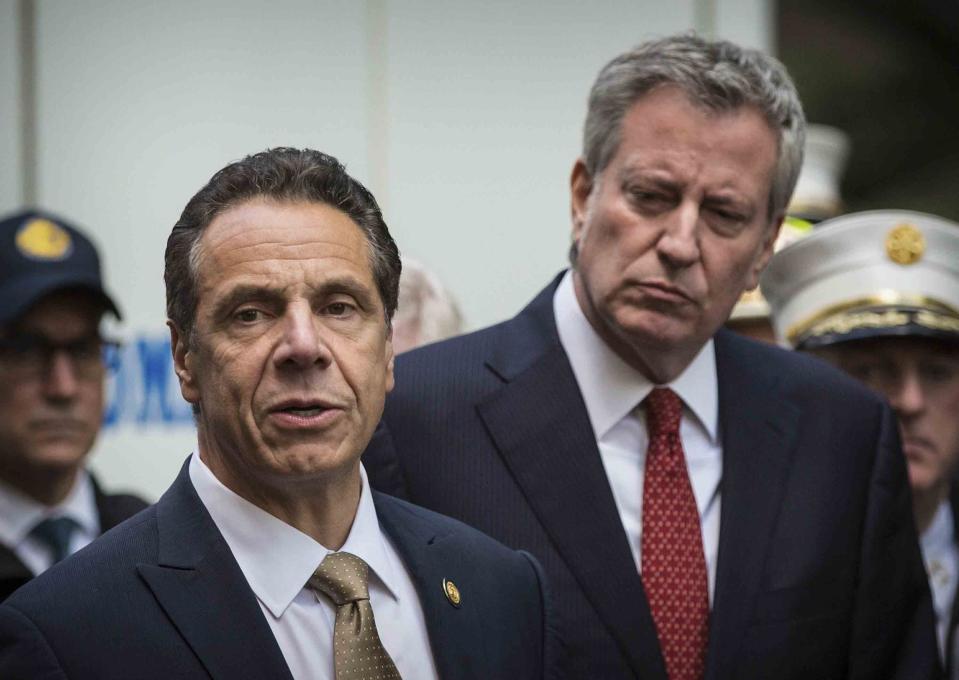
<point x="877" y="294"/>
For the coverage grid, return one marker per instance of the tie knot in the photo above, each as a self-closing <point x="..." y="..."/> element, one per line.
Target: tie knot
<point x="664" y="409"/>
<point x="55" y="533"/>
<point x="343" y="577"/>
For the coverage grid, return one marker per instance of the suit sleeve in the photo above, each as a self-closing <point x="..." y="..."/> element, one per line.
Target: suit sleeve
<point x="554" y="649"/>
<point x="893" y="632"/>
<point x="24" y="652"/>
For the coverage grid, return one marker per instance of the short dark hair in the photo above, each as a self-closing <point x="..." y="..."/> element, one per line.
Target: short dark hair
<point x="282" y="174"/>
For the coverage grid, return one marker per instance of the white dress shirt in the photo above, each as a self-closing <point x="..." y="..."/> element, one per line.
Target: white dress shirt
<point x="277" y="560"/>
<point x="941" y="556"/>
<point x="613" y="391"/>
<point x="20" y="513"/>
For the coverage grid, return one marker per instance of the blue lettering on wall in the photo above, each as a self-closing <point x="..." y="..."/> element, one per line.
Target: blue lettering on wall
<point x="141" y="387"/>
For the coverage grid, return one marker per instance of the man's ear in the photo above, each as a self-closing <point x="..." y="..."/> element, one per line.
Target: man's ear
<point x="767" y="250"/>
<point x="182" y="364"/>
<point x="390" y="357"/>
<point x="580" y="185"/>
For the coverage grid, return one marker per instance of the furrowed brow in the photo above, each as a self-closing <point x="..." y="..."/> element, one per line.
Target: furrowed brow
<point x="244" y="293"/>
<point x="731" y="201"/>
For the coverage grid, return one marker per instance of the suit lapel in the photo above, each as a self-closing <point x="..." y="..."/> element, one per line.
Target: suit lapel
<point x="200" y="586"/>
<point x="453" y="631"/>
<point x="759" y="428"/>
<point x="540" y="427"/>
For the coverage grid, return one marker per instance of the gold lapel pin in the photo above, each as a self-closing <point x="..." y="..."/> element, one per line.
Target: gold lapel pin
<point x="452" y="592"/>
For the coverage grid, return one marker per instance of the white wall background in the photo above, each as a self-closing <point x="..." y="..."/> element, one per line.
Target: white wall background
<point x="463" y="117"/>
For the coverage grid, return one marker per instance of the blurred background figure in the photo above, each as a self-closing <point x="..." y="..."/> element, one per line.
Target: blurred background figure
<point x="817" y="198"/>
<point x="51" y="396"/>
<point x="818" y="194"/>
<point x="427" y="311"/>
<point x="877" y="294"/>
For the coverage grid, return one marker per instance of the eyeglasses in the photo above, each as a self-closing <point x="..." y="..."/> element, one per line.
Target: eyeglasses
<point x="28" y="354"/>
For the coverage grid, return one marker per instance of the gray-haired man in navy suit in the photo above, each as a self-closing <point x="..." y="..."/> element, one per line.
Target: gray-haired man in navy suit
<point x="705" y="506"/>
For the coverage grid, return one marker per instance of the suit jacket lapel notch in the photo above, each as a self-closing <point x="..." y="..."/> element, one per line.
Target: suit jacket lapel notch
<point x="539" y="425"/>
<point x="200" y="586"/>
<point x="759" y="428"/>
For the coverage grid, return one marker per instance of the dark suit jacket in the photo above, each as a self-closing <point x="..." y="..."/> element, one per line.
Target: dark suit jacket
<point x="819" y="573"/>
<point x="112" y="509"/>
<point x="161" y="596"/>
<point x="951" y="661"/>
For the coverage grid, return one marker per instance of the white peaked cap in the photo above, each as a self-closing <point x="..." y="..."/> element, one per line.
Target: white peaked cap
<point x="868" y="274"/>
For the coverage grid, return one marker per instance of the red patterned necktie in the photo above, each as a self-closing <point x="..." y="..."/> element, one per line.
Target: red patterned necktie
<point x="673" y="561"/>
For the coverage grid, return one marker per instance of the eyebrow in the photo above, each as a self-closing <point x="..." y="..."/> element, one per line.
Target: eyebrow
<point x="664" y="181"/>
<point x="349" y="286"/>
<point x="246" y="292"/>
<point x="725" y="201"/>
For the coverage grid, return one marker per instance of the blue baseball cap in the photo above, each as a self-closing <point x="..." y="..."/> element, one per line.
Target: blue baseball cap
<point x="41" y="254"/>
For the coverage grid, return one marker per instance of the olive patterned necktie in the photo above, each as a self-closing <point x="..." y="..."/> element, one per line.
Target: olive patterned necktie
<point x="357" y="651"/>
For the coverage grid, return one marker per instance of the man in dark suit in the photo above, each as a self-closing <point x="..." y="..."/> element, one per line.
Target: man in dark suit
<point x="51" y="396"/>
<point x="269" y="557"/>
<point x="877" y="295"/>
<point x="704" y="506"/>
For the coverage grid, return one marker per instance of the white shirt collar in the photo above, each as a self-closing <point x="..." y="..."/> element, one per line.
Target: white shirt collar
<point x="612" y="388"/>
<point x="939" y="535"/>
<point x="276" y="558"/>
<point x="20" y="513"/>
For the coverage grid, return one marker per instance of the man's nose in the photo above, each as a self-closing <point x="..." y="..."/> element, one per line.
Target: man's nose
<point x="303" y="342"/>
<point x="679" y="243"/>
<point x="61" y="381"/>
<point x="907" y="397"/>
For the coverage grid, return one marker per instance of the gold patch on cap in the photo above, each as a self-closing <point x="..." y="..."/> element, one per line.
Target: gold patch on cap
<point x="452" y="592"/>
<point x="43" y="240"/>
<point x="905" y="244"/>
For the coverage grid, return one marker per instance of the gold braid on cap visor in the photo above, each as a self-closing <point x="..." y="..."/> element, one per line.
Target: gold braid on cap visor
<point x="888" y="309"/>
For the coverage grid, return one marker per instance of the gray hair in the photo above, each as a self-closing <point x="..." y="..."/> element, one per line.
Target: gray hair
<point x="287" y="175"/>
<point x="716" y="75"/>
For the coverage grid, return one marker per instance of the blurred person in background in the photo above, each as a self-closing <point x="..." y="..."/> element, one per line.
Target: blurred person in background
<point x="426" y="312"/>
<point x="51" y="396"/>
<point x="877" y="294"/>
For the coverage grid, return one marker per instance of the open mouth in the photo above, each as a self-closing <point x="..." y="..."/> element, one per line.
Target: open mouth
<point x="303" y="411"/>
<point x="300" y="413"/>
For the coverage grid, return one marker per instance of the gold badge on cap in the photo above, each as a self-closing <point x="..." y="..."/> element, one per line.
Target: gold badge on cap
<point x="905" y="244"/>
<point x="452" y="592"/>
<point x="43" y="240"/>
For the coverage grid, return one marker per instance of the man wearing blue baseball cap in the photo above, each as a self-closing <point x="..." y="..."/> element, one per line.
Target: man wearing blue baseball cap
<point x="51" y="396"/>
<point x="877" y="294"/>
